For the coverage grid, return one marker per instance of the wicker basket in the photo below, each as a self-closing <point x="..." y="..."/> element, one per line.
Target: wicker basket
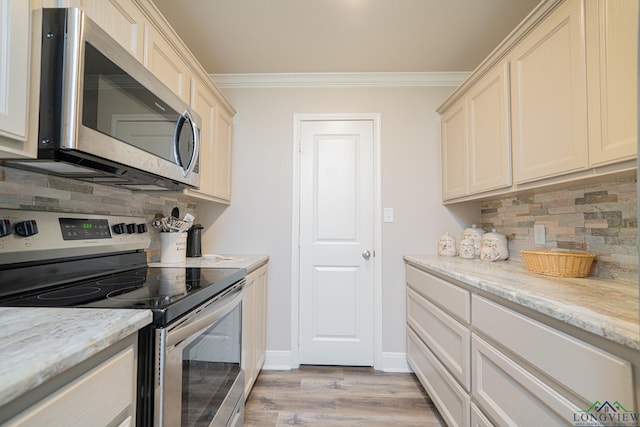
<point x="554" y="263"/>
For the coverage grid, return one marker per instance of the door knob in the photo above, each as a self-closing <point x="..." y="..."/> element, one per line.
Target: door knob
<point x="366" y="254"/>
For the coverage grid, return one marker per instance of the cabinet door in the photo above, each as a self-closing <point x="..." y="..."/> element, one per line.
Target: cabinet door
<point x="15" y="78"/>
<point x="612" y="60"/>
<point x="223" y="154"/>
<point x="446" y="338"/>
<point x="166" y="64"/>
<point x="455" y="175"/>
<point x="478" y="419"/>
<point x="249" y="334"/>
<point x="452" y="401"/>
<point x="103" y="396"/>
<point x="549" y="105"/>
<point x="489" y="132"/>
<point x="260" y="318"/>
<point x="255" y="325"/>
<point x="513" y="396"/>
<point x="204" y="104"/>
<point x="122" y="20"/>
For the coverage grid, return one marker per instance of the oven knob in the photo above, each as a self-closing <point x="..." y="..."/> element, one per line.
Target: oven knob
<point x="131" y="228"/>
<point x="5" y="227"/>
<point x="120" y="228"/>
<point x="142" y="228"/>
<point x="26" y="228"/>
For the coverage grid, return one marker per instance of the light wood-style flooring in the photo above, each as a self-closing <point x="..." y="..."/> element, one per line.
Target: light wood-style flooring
<point x="339" y="396"/>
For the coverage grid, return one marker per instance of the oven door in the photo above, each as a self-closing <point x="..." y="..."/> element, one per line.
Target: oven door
<point x="199" y="381"/>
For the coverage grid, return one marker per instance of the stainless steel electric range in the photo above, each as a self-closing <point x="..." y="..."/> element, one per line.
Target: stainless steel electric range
<point x="52" y="259"/>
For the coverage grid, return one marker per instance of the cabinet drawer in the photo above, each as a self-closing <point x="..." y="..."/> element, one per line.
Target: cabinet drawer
<point x="478" y="419"/>
<point x="450" y="298"/>
<point x="513" y="396"/>
<point x="448" y="339"/>
<point x="567" y="360"/>
<point x="99" y="397"/>
<point x="450" y="399"/>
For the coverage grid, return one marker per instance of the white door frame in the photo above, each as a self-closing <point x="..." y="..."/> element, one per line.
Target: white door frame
<point x="377" y="232"/>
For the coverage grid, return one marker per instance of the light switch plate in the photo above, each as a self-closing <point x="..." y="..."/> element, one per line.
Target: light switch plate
<point x="388" y="214"/>
<point x="539" y="237"/>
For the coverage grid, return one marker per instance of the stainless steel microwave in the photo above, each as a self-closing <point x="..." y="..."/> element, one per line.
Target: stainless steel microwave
<point x="104" y="117"/>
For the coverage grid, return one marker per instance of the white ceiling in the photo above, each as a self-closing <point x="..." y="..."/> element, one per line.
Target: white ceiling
<point x="323" y="36"/>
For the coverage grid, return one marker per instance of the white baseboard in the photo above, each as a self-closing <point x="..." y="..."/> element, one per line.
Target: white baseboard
<point x="395" y="362"/>
<point x="277" y="361"/>
<point x="391" y="362"/>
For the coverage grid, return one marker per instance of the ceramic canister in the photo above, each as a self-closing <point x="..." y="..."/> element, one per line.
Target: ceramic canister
<point x="447" y="245"/>
<point x="474" y="233"/>
<point x="494" y="246"/>
<point x="467" y="248"/>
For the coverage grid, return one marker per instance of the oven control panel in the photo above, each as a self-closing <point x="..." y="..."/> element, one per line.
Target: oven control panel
<point x="33" y="235"/>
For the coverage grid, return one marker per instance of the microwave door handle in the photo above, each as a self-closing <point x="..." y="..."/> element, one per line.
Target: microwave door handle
<point x="184" y="118"/>
<point x="198" y="325"/>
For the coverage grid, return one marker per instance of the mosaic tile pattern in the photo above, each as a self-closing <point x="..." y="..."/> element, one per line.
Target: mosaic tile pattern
<point x="600" y="218"/>
<point x="28" y="190"/>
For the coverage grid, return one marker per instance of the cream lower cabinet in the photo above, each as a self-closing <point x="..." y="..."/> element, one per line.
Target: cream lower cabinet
<point x="104" y="395"/>
<point x="438" y="343"/>
<point x="19" y="81"/>
<point x="255" y="326"/>
<point x="501" y="367"/>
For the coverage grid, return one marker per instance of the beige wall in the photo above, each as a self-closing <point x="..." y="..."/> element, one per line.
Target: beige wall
<point x="259" y="219"/>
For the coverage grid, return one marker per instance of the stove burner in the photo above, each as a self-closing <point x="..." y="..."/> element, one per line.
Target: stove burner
<point x="136" y="293"/>
<point x="69" y="293"/>
<point x="122" y="280"/>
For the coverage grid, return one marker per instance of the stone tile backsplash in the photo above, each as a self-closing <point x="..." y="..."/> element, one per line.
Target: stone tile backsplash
<point x="27" y="190"/>
<point x="600" y="218"/>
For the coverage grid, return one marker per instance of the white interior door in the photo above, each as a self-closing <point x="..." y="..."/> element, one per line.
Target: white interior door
<point x="336" y="242"/>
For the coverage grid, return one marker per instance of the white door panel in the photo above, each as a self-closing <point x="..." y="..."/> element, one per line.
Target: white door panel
<point x="336" y="227"/>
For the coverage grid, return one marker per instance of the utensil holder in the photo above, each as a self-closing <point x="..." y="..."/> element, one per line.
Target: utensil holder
<point x="173" y="248"/>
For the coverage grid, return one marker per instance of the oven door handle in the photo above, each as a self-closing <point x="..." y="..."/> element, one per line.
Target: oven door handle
<point x="206" y="318"/>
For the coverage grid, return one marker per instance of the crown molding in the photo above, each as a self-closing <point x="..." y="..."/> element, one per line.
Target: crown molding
<point x="302" y="80"/>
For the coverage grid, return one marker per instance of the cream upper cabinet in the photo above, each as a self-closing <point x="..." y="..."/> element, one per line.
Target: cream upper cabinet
<point x="223" y="152"/>
<point x="124" y="21"/>
<point x="549" y="97"/>
<point x="489" y="132"/>
<point x="216" y="139"/>
<point x="18" y="82"/>
<point x="454" y="145"/>
<point x="204" y="104"/>
<point x="166" y="64"/>
<point x="612" y="69"/>
<point x="476" y="139"/>
<point x="556" y="101"/>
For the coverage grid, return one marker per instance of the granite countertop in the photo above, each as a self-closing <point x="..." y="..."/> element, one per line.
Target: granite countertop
<point x="40" y="343"/>
<point x="250" y="262"/>
<point x="607" y="308"/>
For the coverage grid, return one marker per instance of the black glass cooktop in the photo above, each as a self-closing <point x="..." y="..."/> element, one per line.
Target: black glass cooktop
<point x="169" y="292"/>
